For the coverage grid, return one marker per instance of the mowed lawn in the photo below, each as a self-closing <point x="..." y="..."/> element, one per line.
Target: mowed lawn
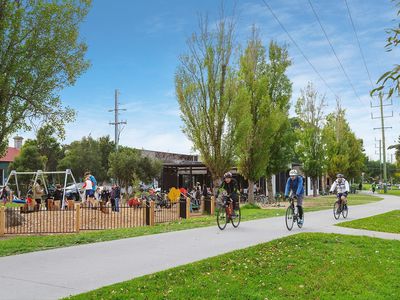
<point x="326" y="202"/>
<point x="387" y="222"/>
<point x="303" y="266"/>
<point x="395" y="192"/>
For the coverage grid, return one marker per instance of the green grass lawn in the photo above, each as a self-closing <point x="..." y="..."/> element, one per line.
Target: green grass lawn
<point x="303" y="266"/>
<point x="23" y="244"/>
<point x="394" y="192"/>
<point x="326" y="202"/>
<point x="388" y="222"/>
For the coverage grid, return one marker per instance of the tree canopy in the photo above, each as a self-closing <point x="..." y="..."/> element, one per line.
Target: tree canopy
<point x="310" y="147"/>
<point x="204" y="84"/>
<point x="40" y="53"/>
<point x="343" y="150"/>
<point x="258" y="112"/>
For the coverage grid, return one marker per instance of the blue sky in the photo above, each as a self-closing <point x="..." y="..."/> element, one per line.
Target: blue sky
<point x="134" y="46"/>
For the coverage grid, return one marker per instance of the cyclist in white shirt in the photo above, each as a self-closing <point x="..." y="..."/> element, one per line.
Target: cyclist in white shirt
<point x="342" y="187"/>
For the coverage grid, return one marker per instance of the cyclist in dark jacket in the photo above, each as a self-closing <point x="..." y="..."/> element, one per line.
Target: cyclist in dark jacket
<point x="230" y="185"/>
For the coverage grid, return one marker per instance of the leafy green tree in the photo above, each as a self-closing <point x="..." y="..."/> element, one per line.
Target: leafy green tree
<point x="40" y="53"/>
<point x="397" y="151"/>
<point x="390" y="80"/>
<point x="127" y="165"/>
<point x="256" y="117"/>
<point x="29" y="160"/>
<point x="49" y="147"/>
<point x="106" y="147"/>
<point x="345" y="153"/>
<point x="82" y="156"/>
<point x="204" y="84"/>
<point x="310" y="147"/>
<point x="280" y="92"/>
<point x="373" y="171"/>
<point x="124" y="166"/>
<point x="149" y="169"/>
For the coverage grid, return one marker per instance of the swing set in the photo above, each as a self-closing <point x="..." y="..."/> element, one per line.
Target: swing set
<point x="39" y="174"/>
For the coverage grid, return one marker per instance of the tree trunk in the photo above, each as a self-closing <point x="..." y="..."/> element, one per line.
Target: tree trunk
<point x="269" y="188"/>
<point x="322" y="187"/>
<point x="250" y="192"/>
<point x="315" y="186"/>
<point x="216" y="185"/>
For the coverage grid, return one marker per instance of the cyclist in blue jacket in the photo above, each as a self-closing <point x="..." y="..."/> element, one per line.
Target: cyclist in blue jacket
<point x="294" y="185"/>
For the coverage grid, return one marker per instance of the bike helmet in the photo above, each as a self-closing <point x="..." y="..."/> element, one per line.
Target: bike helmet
<point x="339" y="176"/>
<point x="293" y="172"/>
<point x="228" y="175"/>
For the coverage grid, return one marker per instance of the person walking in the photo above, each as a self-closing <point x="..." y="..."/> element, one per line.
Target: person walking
<point x="38" y="193"/>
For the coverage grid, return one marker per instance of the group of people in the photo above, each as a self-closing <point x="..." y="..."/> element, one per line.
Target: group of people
<point x="294" y="187"/>
<point x="93" y="194"/>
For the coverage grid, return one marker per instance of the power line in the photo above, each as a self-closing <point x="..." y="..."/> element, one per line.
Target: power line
<point x="359" y="44"/>
<point x="298" y="48"/>
<point x="334" y="52"/>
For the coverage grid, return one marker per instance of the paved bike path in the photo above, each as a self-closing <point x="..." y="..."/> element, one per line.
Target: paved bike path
<point x="57" y="273"/>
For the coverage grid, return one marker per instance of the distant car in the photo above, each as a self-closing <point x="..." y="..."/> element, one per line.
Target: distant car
<point x="73" y="191"/>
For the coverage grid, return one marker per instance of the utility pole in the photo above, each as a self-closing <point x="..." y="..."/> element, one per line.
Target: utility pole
<point x="116" y="122"/>
<point x="380" y="157"/>
<point x="382" y="128"/>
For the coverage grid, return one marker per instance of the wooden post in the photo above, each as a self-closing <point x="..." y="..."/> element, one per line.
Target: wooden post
<point x="2" y="221"/>
<point x="202" y="204"/>
<point x="77" y="218"/>
<point x="187" y="207"/>
<point x="152" y="215"/>
<point x="144" y="207"/>
<point x="212" y="206"/>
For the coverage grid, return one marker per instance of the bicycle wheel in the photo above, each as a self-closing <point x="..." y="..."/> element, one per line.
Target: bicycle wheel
<point x="221" y="218"/>
<point x="336" y="210"/>
<point x="289" y="219"/>
<point x="236" y="221"/>
<point x="345" y="211"/>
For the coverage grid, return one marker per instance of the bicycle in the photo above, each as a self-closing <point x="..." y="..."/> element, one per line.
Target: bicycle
<point x="292" y="215"/>
<point x="340" y="207"/>
<point x="224" y="213"/>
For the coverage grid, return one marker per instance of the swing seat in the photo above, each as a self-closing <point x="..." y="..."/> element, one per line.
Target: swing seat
<point x="19" y="201"/>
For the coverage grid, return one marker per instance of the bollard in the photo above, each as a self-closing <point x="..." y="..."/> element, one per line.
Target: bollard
<point x="77" y="218"/>
<point x="187" y="207"/>
<point x="2" y="221"/>
<point x="212" y="206"/>
<point x="152" y="214"/>
<point x="202" y="204"/>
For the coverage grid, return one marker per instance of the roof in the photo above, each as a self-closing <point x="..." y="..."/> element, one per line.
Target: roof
<point x="11" y="154"/>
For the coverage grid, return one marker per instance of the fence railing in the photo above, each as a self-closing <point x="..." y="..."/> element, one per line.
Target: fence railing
<point x="77" y="217"/>
<point x="38" y="221"/>
<point x="166" y="212"/>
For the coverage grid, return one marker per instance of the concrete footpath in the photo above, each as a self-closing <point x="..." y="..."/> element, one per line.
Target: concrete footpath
<point x="58" y="273"/>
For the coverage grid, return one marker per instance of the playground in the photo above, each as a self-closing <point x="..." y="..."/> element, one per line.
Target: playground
<point x="22" y="214"/>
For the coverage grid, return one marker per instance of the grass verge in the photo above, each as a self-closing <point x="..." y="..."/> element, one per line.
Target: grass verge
<point x="304" y="266"/>
<point x="326" y="202"/>
<point x="387" y="222"/>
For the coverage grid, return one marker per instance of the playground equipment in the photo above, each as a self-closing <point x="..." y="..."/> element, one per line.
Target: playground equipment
<point x="41" y="174"/>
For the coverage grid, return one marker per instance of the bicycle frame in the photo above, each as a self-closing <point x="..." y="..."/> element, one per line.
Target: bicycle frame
<point x="228" y="207"/>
